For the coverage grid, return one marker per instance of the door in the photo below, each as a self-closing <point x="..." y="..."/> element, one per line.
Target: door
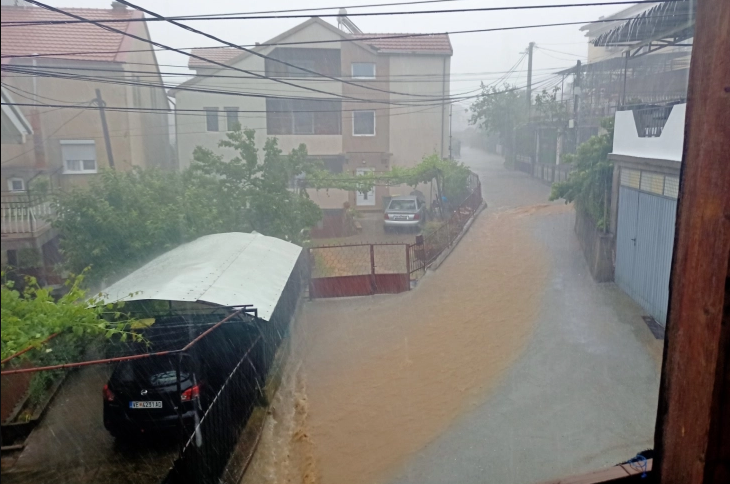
<point x="367" y="198"/>
<point x="628" y="216"/>
<point x="644" y="243"/>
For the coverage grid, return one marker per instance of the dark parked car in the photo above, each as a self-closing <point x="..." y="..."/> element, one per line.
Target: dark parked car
<point x="141" y="396"/>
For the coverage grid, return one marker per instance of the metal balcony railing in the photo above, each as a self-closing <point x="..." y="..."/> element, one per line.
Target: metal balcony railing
<point x="20" y="214"/>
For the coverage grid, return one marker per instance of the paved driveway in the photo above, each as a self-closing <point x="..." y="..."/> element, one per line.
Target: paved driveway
<point x="507" y="365"/>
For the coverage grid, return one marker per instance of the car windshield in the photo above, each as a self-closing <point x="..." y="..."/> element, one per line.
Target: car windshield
<point x="402" y="205"/>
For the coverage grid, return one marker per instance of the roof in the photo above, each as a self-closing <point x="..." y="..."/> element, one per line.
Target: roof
<point x="218" y="54"/>
<point x="594" y="29"/>
<point x="419" y="44"/>
<point x="438" y="44"/>
<point x="63" y="40"/>
<point x="672" y="20"/>
<point x="225" y="269"/>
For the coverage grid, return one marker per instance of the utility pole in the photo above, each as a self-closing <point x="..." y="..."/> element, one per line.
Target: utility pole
<point x="576" y="101"/>
<point x="451" y="109"/>
<point x="529" y="78"/>
<point x="100" y="102"/>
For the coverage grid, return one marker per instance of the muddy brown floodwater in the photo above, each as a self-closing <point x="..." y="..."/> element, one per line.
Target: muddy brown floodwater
<point x="372" y="380"/>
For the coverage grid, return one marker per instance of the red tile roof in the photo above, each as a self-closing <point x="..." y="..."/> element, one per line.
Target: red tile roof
<point x="421" y="44"/>
<point x="218" y="54"/>
<point x="424" y="44"/>
<point x="63" y="40"/>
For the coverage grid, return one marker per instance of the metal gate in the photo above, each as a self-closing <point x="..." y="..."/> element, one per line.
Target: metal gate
<point x="359" y="270"/>
<point x="644" y="243"/>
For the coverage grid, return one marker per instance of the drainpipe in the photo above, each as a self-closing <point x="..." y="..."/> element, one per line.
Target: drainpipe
<point x="443" y="104"/>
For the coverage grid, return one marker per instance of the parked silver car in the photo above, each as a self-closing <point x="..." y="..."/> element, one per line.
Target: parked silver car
<point x="405" y="212"/>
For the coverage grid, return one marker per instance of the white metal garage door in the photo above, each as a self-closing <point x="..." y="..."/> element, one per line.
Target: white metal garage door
<point x="647" y="208"/>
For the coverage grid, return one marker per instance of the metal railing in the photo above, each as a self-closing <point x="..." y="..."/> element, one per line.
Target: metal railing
<point x="650" y="121"/>
<point x="24" y="215"/>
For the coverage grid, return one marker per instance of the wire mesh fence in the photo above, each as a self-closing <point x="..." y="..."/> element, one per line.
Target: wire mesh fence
<point x="167" y="406"/>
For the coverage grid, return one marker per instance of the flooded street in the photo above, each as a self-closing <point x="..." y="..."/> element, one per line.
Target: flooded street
<point x="375" y="384"/>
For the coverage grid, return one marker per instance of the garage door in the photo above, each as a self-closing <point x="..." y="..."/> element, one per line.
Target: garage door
<point x="645" y="238"/>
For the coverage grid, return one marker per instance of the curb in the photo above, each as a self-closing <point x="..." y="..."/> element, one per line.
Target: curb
<point x="445" y="254"/>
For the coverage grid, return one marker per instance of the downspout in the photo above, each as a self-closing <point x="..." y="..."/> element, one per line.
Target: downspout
<point x="443" y="104"/>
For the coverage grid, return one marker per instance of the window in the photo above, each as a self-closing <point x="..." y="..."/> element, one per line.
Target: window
<point x="303" y="117"/>
<point x="79" y="156"/>
<point x="232" y="123"/>
<point x="363" y="123"/>
<point x="303" y="122"/>
<point x="318" y="61"/>
<point x="211" y="119"/>
<point x="16" y="184"/>
<point x="363" y="70"/>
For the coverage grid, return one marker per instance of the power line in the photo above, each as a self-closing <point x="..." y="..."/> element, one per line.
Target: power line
<point x="380" y="78"/>
<point x="159" y="18"/>
<point x="112" y="29"/>
<point x="179" y="110"/>
<point x="258" y="54"/>
<point x="329" y="41"/>
<point x="124" y="81"/>
<point x="45" y="139"/>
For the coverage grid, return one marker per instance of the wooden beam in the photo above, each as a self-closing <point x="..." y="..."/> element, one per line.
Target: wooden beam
<point x="692" y="437"/>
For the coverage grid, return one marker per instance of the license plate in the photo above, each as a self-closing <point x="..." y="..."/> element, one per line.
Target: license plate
<point x="401" y="217"/>
<point x="150" y="404"/>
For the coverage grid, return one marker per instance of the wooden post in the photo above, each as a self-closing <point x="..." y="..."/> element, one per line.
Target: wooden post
<point x="105" y="129"/>
<point x="693" y="418"/>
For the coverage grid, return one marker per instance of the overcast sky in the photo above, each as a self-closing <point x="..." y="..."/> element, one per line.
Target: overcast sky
<point x="476" y="55"/>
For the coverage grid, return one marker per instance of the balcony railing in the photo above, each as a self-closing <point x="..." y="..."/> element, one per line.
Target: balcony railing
<point x="21" y="214"/>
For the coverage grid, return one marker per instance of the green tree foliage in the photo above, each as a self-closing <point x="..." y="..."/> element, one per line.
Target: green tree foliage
<point x="501" y="111"/>
<point x="550" y="111"/>
<point x="31" y="316"/>
<point x="451" y="178"/>
<point x="123" y="219"/>
<point x="255" y="191"/>
<point x="589" y="184"/>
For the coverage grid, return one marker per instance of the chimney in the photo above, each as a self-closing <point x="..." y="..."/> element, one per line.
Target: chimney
<point x="118" y="6"/>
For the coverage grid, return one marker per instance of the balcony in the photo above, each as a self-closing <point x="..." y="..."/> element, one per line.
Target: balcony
<point x="24" y="216"/>
<point x="656" y="132"/>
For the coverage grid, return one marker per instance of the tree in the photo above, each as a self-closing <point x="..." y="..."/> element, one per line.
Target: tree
<point x="31" y="316"/>
<point x="551" y="112"/>
<point x="257" y="190"/>
<point x="123" y="219"/>
<point x="451" y="178"/>
<point x="589" y="184"/>
<point x="500" y="111"/>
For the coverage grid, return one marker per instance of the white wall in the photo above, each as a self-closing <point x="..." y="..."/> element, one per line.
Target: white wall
<point x="191" y="127"/>
<point x="668" y="146"/>
<point x="416" y="132"/>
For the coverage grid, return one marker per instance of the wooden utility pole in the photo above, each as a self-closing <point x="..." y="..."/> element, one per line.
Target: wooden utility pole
<point x="692" y="440"/>
<point x="105" y="129"/>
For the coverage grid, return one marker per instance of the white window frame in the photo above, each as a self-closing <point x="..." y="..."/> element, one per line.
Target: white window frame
<point x="352" y="70"/>
<point x="15" y="179"/>
<point x="83" y="171"/>
<point x="375" y="130"/>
